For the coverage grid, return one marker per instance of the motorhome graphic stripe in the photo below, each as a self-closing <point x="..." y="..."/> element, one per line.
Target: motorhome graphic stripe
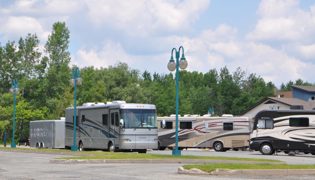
<point x="101" y="128"/>
<point x="69" y="126"/>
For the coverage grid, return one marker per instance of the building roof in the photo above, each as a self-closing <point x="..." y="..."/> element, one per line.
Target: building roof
<point x="289" y="101"/>
<point x="284" y="94"/>
<point x="305" y="88"/>
<point x="307" y="105"/>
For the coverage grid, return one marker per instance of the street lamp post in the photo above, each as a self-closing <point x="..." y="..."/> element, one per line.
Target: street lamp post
<point x="75" y="81"/>
<point x="14" y="89"/>
<point x="172" y="65"/>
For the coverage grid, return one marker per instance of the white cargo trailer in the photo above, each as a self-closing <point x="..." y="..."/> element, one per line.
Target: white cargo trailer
<point x="47" y="133"/>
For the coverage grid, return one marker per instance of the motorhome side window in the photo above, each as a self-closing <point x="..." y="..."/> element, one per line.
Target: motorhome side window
<point x="185" y="125"/>
<point x="112" y="120"/>
<point x="116" y="119"/>
<point x="168" y="125"/>
<point x="299" y="122"/>
<point x="227" y="126"/>
<point x="105" y="119"/>
<point x="265" y="123"/>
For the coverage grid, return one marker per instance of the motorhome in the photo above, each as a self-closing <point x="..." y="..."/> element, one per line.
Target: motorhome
<point x="285" y="130"/>
<point x="113" y="126"/>
<point x="219" y="133"/>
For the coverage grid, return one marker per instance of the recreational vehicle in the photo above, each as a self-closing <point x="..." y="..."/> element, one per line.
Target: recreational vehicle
<point x="47" y="133"/>
<point x="113" y="126"/>
<point x="219" y="133"/>
<point x="287" y="130"/>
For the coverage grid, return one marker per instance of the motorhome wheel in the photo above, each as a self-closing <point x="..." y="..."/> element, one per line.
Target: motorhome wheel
<point x="218" y="146"/>
<point x="81" y="147"/>
<point x="266" y="149"/>
<point x="111" y="147"/>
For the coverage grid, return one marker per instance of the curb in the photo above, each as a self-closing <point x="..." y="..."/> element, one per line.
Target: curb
<point x="250" y="172"/>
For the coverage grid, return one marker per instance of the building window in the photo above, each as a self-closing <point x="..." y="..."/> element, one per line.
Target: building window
<point x="227" y="126"/>
<point x="185" y="125"/>
<point x="299" y="122"/>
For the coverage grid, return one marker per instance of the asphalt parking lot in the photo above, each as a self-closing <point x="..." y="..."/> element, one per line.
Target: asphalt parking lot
<point x="18" y="165"/>
<point x="300" y="158"/>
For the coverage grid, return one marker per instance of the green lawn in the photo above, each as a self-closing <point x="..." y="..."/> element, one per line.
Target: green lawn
<point x="99" y="155"/>
<point x="238" y="166"/>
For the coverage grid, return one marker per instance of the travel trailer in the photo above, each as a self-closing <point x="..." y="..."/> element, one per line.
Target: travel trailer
<point x="113" y="126"/>
<point x="285" y="130"/>
<point x="47" y="133"/>
<point x="219" y="133"/>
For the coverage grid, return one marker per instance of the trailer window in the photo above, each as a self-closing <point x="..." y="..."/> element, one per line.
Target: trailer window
<point x="265" y="123"/>
<point x="83" y="118"/>
<point x="105" y="119"/>
<point x="227" y="126"/>
<point x="185" y="125"/>
<point x="299" y="122"/>
<point x="116" y="119"/>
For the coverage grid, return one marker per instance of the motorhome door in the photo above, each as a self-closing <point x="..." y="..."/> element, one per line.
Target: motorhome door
<point x="114" y="122"/>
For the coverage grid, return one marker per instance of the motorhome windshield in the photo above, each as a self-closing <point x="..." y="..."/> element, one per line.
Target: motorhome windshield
<point x="138" y="118"/>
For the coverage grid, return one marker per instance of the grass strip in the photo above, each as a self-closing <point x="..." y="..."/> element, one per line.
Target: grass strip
<point x="236" y="166"/>
<point x="103" y="155"/>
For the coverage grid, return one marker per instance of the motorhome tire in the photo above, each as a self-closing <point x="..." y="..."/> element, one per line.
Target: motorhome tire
<point x="111" y="147"/>
<point x="266" y="149"/>
<point x="161" y="147"/>
<point x="218" y="146"/>
<point x="81" y="147"/>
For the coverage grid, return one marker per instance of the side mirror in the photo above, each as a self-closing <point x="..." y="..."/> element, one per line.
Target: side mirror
<point x="121" y="123"/>
<point x="163" y="124"/>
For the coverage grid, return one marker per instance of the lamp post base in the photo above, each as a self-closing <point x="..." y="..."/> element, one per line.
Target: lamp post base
<point x="13" y="145"/>
<point x="74" y="148"/>
<point x="176" y="152"/>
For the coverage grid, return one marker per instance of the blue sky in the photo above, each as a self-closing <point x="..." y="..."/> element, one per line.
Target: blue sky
<point x="271" y="38"/>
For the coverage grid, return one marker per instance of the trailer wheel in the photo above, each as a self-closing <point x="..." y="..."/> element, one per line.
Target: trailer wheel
<point x="37" y="145"/>
<point x="111" y="147"/>
<point x="218" y="146"/>
<point x="41" y="145"/>
<point x="142" y="151"/>
<point x="313" y="153"/>
<point x="266" y="149"/>
<point x="81" y="147"/>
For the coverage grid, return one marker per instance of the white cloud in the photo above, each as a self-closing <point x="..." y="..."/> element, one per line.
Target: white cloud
<point x="146" y="16"/>
<point x="307" y="51"/>
<point x="14" y="27"/>
<point x="283" y="20"/>
<point x="109" y="54"/>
